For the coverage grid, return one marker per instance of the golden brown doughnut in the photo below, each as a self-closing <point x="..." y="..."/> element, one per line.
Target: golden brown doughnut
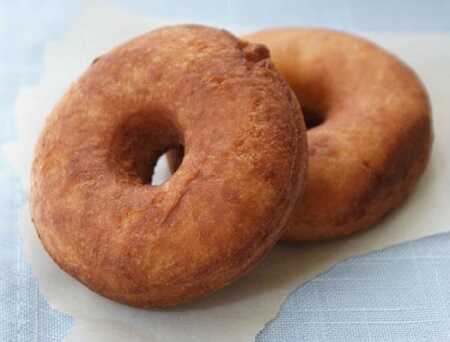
<point x="369" y="128"/>
<point x="92" y="201"/>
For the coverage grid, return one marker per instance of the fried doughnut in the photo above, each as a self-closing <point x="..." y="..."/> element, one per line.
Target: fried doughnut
<point x="92" y="202"/>
<point x="369" y="121"/>
<point x="369" y="128"/>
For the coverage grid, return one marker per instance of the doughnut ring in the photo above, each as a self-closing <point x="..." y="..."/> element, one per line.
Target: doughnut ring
<point x="244" y="140"/>
<point x="369" y="128"/>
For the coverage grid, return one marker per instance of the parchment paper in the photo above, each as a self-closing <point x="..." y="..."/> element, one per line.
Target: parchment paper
<point x="238" y="312"/>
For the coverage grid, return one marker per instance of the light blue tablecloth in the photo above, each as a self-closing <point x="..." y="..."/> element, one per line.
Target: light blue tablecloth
<point x="400" y="294"/>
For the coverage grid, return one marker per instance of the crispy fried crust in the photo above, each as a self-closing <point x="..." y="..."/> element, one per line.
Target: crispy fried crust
<point x="374" y="137"/>
<point x="218" y="215"/>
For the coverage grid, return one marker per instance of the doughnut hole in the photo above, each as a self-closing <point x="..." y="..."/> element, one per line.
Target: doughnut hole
<point x="314" y="97"/>
<point x="139" y="146"/>
<point x="161" y="171"/>
<point x="175" y="157"/>
<point x="312" y="117"/>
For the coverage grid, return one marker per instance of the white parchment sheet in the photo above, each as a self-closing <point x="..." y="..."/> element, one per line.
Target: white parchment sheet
<point x="238" y="312"/>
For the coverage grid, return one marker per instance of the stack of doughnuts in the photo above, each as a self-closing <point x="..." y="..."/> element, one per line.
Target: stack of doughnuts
<point x="293" y="134"/>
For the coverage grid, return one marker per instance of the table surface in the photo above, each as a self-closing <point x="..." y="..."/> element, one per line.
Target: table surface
<point x="399" y="294"/>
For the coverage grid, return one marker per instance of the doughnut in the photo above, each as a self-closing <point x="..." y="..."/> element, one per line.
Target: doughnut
<point x="369" y="131"/>
<point x="369" y="128"/>
<point x="92" y="201"/>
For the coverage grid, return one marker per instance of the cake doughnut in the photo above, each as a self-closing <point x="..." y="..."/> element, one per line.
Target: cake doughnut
<point x="92" y="202"/>
<point x="369" y="128"/>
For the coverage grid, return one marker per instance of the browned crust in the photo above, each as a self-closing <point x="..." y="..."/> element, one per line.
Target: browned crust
<point x="375" y="139"/>
<point x="218" y="215"/>
<point x="375" y="142"/>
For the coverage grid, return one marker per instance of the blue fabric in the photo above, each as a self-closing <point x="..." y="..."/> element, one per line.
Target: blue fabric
<point x="24" y="314"/>
<point x="400" y="294"/>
